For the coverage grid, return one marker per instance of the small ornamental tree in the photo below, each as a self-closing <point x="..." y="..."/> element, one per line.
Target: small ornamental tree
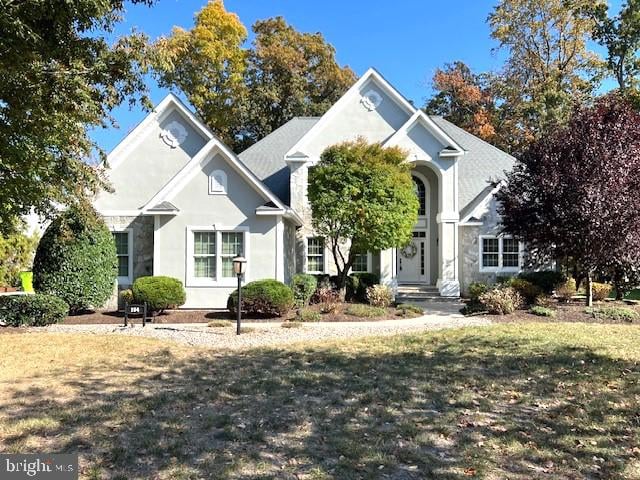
<point x="76" y="260"/>
<point x="363" y="199"/>
<point x="575" y="193"/>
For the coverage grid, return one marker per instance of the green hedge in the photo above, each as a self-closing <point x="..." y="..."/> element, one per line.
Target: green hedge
<point x="159" y="292"/>
<point x="76" y="260"/>
<point x="547" y="280"/>
<point x="263" y="297"/>
<point x="32" y="310"/>
<point x="303" y="286"/>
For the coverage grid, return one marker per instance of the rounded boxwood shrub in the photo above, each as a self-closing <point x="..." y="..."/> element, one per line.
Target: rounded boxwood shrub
<point x="263" y="297"/>
<point x="159" y="293"/>
<point x="32" y="310"/>
<point x="76" y="260"/>
<point x="303" y="286"/>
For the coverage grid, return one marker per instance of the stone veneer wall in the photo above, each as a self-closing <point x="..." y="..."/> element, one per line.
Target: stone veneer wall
<point x="469" y="248"/>
<point x="142" y="237"/>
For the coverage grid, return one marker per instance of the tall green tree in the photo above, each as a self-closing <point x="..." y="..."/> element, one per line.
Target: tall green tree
<point x="620" y="35"/>
<point x="59" y="78"/>
<point x="290" y="74"/>
<point x="548" y="67"/>
<point x="363" y="199"/>
<point x="208" y="64"/>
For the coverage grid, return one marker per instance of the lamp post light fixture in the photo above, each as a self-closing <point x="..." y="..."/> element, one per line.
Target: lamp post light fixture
<point x="239" y="267"/>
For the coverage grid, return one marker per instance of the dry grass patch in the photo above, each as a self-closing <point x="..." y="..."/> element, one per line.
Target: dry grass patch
<point x="508" y="401"/>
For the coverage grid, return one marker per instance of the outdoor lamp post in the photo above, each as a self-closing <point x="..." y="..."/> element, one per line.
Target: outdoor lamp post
<point x="239" y="267"/>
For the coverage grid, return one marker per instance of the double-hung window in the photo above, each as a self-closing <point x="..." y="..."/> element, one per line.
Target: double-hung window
<point x="210" y="255"/>
<point x="232" y="245"/>
<point x="315" y="255"/>
<point x="204" y="255"/>
<point x="123" y="243"/>
<point x="500" y="253"/>
<point x="360" y="263"/>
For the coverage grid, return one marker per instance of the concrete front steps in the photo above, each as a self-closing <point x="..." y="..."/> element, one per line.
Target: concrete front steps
<point x="422" y="293"/>
<point x="429" y="299"/>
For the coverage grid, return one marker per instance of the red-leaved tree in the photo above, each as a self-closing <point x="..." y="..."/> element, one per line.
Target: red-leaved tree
<point x="575" y="194"/>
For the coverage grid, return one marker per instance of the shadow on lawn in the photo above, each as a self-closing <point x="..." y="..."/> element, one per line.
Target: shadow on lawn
<point x="428" y="408"/>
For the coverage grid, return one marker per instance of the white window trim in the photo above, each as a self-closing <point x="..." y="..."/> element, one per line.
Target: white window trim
<point x="369" y="265"/>
<point x="223" y="184"/>
<point x="129" y="231"/>
<point x="500" y="268"/>
<point x="306" y="256"/>
<point x="427" y="195"/>
<point x="190" y="279"/>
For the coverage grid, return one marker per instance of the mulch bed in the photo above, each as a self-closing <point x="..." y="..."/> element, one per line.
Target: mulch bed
<point x="205" y="316"/>
<point x="573" y="312"/>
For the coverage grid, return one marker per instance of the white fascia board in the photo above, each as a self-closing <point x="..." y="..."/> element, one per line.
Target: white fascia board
<point x="199" y="161"/>
<point x="483" y="204"/>
<point x="370" y="74"/>
<point x="129" y="142"/>
<point x="420" y="117"/>
<point x="270" y="212"/>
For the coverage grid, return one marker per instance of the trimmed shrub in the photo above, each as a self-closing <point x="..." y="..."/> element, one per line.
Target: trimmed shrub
<point x="364" y="311"/>
<point x="404" y="309"/>
<point x="303" y="286"/>
<point x="527" y="290"/>
<point x="327" y="297"/>
<point x="126" y="296"/>
<point x="264" y="297"/>
<point x="160" y="293"/>
<point x="32" y="310"/>
<point x="601" y="291"/>
<point x="567" y="290"/>
<point x="501" y="301"/>
<point x="308" y="315"/>
<point x="76" y="260"/>
<point x="379" y="296"/>
<point x="476" y="289"/>
<point x="546" y="280"/>
<point x="291" y="325"/>
<point x="542" y="311"/>
<point x="220" y="323"/>
<point x="617" y="314"/>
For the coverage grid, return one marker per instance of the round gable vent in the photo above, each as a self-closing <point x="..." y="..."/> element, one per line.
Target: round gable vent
<point x="371" y="100"/>
<point x="174" y="134"/>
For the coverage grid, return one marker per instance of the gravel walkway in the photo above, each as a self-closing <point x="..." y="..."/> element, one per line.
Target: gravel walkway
<point x="272" y="334"/>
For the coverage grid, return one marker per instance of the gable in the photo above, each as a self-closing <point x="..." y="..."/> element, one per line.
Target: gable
<point x="239" y="200"/>
<point x="370" y="113"/>
<point x="167" y="143"/>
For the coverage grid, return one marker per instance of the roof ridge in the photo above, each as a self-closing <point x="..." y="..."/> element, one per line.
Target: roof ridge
<point x="272" y="132"/>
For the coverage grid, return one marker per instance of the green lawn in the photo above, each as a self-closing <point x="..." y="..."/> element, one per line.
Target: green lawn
<point x="517" y="401"/>
<point x="632" y="295"/>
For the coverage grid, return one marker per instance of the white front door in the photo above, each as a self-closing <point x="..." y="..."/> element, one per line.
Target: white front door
<point x="413" y="260"/>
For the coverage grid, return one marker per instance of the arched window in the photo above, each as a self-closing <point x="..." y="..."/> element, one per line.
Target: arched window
<point x="422" y="196"/>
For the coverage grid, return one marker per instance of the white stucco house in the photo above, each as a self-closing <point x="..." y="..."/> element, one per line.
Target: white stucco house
<point x="184" y="204"/>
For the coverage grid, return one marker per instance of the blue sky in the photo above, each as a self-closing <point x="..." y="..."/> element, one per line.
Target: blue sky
<point x="405" y="40"/>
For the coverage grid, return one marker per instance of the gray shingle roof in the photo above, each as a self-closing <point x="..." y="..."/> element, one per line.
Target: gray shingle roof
<point x="482" y="163"/>
<point x="266" y="157"/>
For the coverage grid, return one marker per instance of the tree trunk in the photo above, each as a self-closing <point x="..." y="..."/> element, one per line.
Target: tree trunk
<point x="589" y="290"/>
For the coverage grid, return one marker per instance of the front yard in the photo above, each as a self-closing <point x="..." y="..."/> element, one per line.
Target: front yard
<point x="516" y="401"/>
